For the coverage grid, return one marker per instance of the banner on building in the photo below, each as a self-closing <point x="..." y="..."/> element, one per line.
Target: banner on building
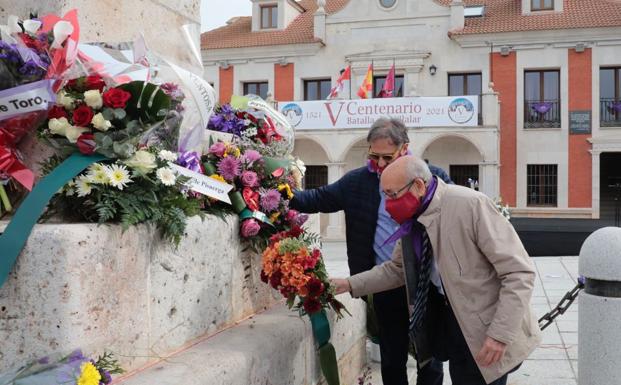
<point x="450" y="111"/>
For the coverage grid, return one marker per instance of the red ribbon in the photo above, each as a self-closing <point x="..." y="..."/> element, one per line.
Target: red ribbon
<point x="11" y="132"/>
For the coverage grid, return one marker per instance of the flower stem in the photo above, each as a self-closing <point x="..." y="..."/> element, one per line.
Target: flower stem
<point x="5" y="199"/>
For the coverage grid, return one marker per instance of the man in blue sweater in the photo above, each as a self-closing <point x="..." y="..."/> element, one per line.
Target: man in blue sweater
<point x="368" y="226"/>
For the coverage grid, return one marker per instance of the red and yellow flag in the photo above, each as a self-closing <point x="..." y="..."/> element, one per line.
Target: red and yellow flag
<point x="366" y="89"/>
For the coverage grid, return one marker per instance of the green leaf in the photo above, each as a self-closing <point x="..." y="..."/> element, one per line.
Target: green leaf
<point x="119" y="114"/>
<point x="108" y="113"/>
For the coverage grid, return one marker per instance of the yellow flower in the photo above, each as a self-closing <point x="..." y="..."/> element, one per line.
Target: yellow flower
<point x="89" y="374"/>
<point x="274" y="216"/>
<point x="217" y="177"/>
<point x="287" y="188"/>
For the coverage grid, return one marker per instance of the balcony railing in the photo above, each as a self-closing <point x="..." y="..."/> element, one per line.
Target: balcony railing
<point x="610" y="112"/>
<point x="542" y="113"/>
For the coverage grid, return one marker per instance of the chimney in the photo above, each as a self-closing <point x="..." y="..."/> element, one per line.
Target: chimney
<point x="457" y="15"/>
<point x="320" y="21"/>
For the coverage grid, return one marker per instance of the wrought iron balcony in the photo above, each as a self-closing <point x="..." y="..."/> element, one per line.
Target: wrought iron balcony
<point x="542" y="113"/>
<point x="610" y="112"/>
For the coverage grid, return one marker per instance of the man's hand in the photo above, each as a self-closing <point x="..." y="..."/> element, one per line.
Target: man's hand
<point x="491" y="352"/>
<point x="341" y="285"/>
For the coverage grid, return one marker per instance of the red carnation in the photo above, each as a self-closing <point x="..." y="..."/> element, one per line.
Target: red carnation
<point x="316" y="254"/>
<point x="275" y="279"/>
<point x="57" y="112"/>
<point x="295" y="231"/>
<point x="264" y="277"/>
<point x="86" y="143"/>
<point x="94" y="82"/>
<point x="82" y="116"/>
<point x="315" y="287"/>
<point x="312" y="305"/>
<point x="72" y="84"/>
<point x="116" y="98"/>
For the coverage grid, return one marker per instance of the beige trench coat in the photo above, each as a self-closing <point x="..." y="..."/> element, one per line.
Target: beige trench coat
<point x="487" y="275"/>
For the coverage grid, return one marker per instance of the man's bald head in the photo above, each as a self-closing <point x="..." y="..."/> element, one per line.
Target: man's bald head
<point x="402" y="171"/>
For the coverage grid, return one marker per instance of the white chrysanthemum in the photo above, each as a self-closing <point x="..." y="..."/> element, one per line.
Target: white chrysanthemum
<point x="100" y="123"/>
<point x="93" y="99"/>
<point x="83" y="186"/>
<point x="97" y="174"/>
<point x="118" y="176"/>
<point x="168" y="156"/>
<point x="166" y="176"/>
<point x="69" y="189"/>
<point x="58" y="126"/>
<point x="142" y="162"/>
<point x="65" y="100"/>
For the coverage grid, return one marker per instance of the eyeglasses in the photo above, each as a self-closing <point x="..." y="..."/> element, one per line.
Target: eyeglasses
<point x="394" y="195"/>
<point x="385" y="157"/>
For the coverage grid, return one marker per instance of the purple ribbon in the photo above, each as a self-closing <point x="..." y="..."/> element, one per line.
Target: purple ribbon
<point x="614" y="107"/>
<point x="190" y="160"/>
<point x="542" y="107"/>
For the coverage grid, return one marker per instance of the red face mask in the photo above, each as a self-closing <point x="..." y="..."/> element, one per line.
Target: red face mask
<point x="403" y="208"/>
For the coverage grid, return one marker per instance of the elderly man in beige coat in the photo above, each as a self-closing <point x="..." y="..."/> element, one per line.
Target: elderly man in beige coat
<point x="468" y="277"/>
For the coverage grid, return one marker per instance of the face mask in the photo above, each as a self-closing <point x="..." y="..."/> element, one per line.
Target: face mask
<point x="403" y="208"/>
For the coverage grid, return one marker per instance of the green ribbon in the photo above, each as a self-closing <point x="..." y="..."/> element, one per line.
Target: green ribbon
<point x="247" y="214"/>
<point x="237" y="201"/>
<point x="327" y="354"/>
<point x="16" y="233"/>
<point x="272" y="164"/>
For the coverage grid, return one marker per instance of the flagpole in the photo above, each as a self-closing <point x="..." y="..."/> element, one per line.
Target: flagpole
<point x="372" y="79"/>
<point x="350" y="80"/>
<point x="394" y="77"/>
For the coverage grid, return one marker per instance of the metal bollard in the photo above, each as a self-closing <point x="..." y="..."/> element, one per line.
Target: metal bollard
<point x="599" y="335"/>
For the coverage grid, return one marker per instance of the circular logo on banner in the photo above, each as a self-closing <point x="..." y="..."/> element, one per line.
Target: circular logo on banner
<point x="461" y="110"/>
<point x="293" y="113"/>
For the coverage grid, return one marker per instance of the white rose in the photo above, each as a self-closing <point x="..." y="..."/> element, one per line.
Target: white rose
<point x="58" y="126"/>
<point x="73" y="132"/>
<point x="65" y="100"/>
<point x="93" y="99"/>
<point x="100" y="123"/>
<point x="142" y="161"/>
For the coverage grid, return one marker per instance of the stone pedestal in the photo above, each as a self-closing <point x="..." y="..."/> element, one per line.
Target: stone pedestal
<point x="96" y="287"/>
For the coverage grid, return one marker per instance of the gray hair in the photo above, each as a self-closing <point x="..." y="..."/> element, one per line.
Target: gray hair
<point x="417" y="168"/>
<point x="389" y="128"/>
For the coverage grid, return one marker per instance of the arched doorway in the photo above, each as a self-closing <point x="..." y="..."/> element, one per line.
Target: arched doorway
<point x="457" y="156"/>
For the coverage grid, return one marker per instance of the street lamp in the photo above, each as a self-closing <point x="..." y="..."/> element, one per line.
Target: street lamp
<point x="433" y="69"/>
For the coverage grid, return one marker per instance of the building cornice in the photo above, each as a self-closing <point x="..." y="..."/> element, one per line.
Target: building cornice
<point x="561" y="38"/>
<point x="262" y="54"/>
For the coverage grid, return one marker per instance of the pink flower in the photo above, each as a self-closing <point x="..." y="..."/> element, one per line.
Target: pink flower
<point x="252" y="156"/>
<point x="229" y="168"/>
<point x="250" y="228"/>
<point x="250" y="179"/>
<point x="270" y="200"/>
<point x="217" y="149"/>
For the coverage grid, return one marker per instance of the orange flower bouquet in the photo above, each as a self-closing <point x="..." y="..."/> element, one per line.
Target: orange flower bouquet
<point x="294" y="267"/>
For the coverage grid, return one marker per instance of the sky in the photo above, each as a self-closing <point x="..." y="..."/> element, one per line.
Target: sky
<point x="215" y="13"/>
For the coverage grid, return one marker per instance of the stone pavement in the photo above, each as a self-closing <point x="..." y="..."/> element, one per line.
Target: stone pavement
<point x="555" y="361"/>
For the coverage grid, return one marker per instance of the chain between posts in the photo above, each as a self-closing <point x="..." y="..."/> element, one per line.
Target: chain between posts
<point x="563" y="305"/>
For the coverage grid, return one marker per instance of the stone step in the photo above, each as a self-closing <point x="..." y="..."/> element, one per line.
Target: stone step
<point x="275" y="347"/>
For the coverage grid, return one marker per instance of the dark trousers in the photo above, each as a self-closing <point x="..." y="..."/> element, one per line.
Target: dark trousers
<point x="452" y="346"/>
<point x="391" y="311"/>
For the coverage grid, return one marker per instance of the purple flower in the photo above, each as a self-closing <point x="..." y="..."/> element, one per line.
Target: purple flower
<point x="270" y="200"/>
<point x="106" y="378"/>
<point x="217" y="149"/>
<point x="229" y="168"/>
<point x="249" y="179"/>
<point x="250" y="228"/>
<point x="30" y="68"/>
<point x="252" y="156"/>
